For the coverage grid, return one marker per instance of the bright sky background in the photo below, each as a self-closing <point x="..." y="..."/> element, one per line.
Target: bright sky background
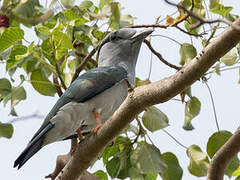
<point x="225" y="90"/>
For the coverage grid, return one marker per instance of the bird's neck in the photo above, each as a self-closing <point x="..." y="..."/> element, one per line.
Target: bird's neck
<point x="129" y="66"/>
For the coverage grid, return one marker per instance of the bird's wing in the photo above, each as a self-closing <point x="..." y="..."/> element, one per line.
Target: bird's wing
<point x="85" y="87"/>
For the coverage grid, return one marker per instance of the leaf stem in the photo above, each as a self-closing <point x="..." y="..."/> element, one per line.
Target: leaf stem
<point x="178" y="142"/>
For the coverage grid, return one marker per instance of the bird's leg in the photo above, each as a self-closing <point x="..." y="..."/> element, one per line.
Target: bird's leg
<point x="79" y="133"/>
<point x="130" y="87"/>
<point x="74" y="145"/>
<point x="97" y="117"/>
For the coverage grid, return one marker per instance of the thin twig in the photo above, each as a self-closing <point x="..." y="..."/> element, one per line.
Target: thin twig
<point x="84" y="62"/>
<point x="174" y="139"/>
<point x="189" y="33"/>
<point x="57" y="86"/>
<point x="149" y="25"/>
<point x="23" y="118"/>
<point x="212" y="101"/>
<point x="174" y="40"/>
<point x="202" y="20"/>
<point x="94" y="62"/>
<point x="214" y="29"/>
<point x="160" y="56"/>
<point x="221" y="70"/>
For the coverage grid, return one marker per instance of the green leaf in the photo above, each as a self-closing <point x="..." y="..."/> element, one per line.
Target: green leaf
<point x="230" y="58"/>
<point x="126" y="20"/>
<point x="5" y="87"/>
<point x="68" y="3"/>
<point x="221" y="10"/>
<point x="236" y="172"/>
<point x="215" y="142"/>
<point x="217" y="69"/>
<point x="192" y="109"/>
<point x="6" y="130"/>
<point x="103" y="3"/>
<point x="27" y="8"/>
<point x="10" y="36"/>
<point x="187" y="53"/>
<point x="174" y="170"/>
<point x="198" y="161"/>
<point x="113" y="167"/>
<point x="41" y="83"/>
<point x="239" y="75"/>
<point x="42" y="32"/>
<point x="150" y="177"/>
<point x="232" y="166"/>
<point x="87" y="5"/>
<point x="213" y="3"/>
<point x="114" y="21"/>
<point x="18" y="94"/>
<point x="62" y="41"/>
<point x="146" y="159"/>
<point x="109" y="152"/>
<point x="101" y="175"/>
<point x="154" y="119"/>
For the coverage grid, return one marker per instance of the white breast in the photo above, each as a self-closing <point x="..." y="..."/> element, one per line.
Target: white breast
<point x="75" y="115"/>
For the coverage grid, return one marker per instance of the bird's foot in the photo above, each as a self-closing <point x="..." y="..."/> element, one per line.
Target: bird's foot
<point x="130" y="87"/>
<point x="79" y="133"/>
<point x="99" y="123"/>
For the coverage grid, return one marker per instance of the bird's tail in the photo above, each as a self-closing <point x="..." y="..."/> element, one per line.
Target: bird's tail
<point x="33" y="146"/>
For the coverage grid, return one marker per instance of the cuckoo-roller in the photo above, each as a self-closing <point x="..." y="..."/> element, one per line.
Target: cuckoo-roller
<point x="95" y="95"/>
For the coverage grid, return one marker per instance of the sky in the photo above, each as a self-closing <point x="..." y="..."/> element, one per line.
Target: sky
<point x="225" y="89"/>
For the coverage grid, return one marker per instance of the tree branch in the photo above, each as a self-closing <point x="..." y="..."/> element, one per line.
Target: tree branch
<point x="160" y="56"/>
<point x="84" y="62"/>
<point x="147" y="95"/>
<point x="32" y="21"/>
<point x="202" y="20"/>
<point x="223" y="157"/>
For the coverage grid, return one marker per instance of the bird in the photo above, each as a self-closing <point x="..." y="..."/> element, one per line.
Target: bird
<point x="94" y="96"/>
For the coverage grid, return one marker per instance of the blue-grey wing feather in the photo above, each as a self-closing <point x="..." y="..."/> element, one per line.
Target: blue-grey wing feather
<point x="86" y="86"/>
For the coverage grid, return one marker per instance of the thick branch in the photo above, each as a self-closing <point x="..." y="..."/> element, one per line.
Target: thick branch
<point x="31" y="21"/>
<point x="144" y="96"/>
<point x="223" y="157"/>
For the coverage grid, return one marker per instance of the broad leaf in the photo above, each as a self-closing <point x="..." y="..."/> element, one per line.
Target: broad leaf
<point x="192" y="109"/>
<point x="174" y="170"/>
<point x="217" y="69"/>
<point x="68" y="3"/>
<point x="221" y="10"/>
<point x="198" y="161"/>
<point x="5" y="87"/>
<point x="6" y="130"/>
<point x="41" y="83"/>
<point x="230" y="58"/>
<point x="215" y="142"/>
<point x="113" y="167"/>
<point x="10" y="36"/>
<point x="213" y="3"/>
<point x="154" y="119"/>
<point x="187" y="53"/>
<point x="101" y="175"/>
<point x="103" y="3"/>
<point x="114" y="21"/>
<point x="18" y="94"/>
<point x="146" y="159"/>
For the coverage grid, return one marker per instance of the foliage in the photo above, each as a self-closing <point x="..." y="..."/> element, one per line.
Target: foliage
<point x="65" y="39"/>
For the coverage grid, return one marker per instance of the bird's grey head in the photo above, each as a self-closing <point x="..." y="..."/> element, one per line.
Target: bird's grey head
<point x="121" y="48"/>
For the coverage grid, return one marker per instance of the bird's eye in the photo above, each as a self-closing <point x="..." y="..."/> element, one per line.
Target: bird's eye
<point x="114" y="38"/>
